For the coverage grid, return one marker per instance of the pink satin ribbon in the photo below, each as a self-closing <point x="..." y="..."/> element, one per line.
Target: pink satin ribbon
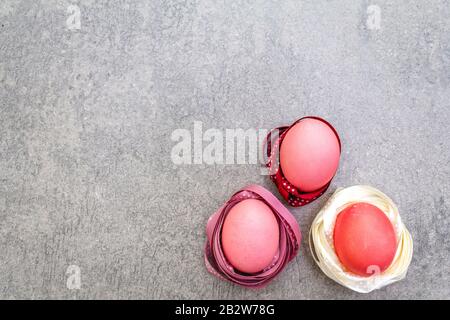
<point x="290" y="238"/>
<point x="294" y="196"/>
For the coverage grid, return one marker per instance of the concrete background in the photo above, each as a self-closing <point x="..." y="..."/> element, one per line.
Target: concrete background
<point x="87" y="114"/>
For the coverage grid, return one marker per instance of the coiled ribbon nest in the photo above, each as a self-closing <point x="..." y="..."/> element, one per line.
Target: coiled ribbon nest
<point x="290" y="238"/>
<point x="322" y="248"/>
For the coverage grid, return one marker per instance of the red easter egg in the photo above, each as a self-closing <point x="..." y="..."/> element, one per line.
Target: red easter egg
<point x="250" y="236"/>
<point x="364" y="239"/>
<point x="309" y="154"/>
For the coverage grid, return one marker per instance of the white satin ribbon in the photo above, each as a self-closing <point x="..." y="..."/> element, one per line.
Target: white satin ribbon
<point x="322" y="248"/>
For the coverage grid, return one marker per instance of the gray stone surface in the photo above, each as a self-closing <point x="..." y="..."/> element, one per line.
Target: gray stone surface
<point x="87" y="114"/>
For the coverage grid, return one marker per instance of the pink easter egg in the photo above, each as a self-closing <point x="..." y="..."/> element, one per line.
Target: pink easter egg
<point x="250" y="236"/>
<point x="364" y="239"/>
<point x="309" y="154"/>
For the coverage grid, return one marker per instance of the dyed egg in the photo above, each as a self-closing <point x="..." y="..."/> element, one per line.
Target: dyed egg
<point x="309" y="154"/>
<point x="364" y="239"/>
<point x="250" y="236"/>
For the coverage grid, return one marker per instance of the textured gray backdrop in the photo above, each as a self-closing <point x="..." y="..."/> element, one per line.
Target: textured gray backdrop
<point x="86" y="176"/>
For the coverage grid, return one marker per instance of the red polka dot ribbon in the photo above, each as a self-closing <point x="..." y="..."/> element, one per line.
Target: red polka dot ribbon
<point x="294" y="196"/>
<point x="290" y="238"/>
